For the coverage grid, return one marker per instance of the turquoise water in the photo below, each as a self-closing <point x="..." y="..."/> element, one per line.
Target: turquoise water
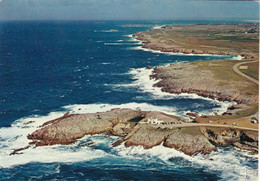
<point x="48" y="68"/>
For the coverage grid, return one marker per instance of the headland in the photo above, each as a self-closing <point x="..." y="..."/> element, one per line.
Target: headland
<point x="222" y="80"/>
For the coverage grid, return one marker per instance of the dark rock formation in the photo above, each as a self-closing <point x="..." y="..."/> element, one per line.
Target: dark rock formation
<point x="191" y="114"/>
<point x="247" y="140"/>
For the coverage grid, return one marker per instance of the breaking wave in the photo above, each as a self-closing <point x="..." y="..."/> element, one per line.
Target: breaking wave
<point x="233" y="57"/>
<point x="15" y="137"/>
<point x="229" y="162"/>
<point x="145" y="84"/>
<point x="107" y="31"/>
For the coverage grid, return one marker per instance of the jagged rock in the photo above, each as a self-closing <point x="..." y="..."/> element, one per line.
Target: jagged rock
<point x="192" y="114"/>
<point x="221" y="136"/>
<point x="242" y="139"/>
<point x="16" y="151"/>
<point x="190" y="144"/>
<point x="196" y="78"/>
<point x="67" y="129"/>
<point x="147" y="137"/>
<point x="130" y="124"/>
<point x="118" y="129"/>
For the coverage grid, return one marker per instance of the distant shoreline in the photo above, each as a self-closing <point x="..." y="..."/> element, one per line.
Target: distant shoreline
<point x="168" y="39"/>
<point x="163" y="39"/>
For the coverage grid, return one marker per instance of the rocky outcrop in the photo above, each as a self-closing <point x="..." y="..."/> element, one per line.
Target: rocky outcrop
<point x="190" y="144"/>
<point x="191" y="114"/>
<point x="132" y="126"/>
<point x="201" y="79"/>
<point x="67" y="129"/>
<point x="247" y="140"/>
<point x="147" y="136"/>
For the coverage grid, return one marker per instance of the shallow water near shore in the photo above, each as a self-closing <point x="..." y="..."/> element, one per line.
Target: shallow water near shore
<point x="48" y="68"/>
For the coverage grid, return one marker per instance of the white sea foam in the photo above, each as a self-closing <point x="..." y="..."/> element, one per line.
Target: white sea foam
<point x="238" y="57"/>
<point x="15" y="137"/>
<point x="92" y="108"/>
<point x="145" y="84"/>
<point x="234" y="57"/>
<point x="183" y="54"/>
<point x="107" y="31"/>
<point x="118" y="43"/>
<point x="158" y="26"/>
<point x="133" y="39"/>
<point x="129" y="35"/>
<point x="230" y="163"/>
<point x="105" y="63"/>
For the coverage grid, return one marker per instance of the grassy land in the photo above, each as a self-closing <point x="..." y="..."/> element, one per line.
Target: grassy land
<point x="253" y="70"/>
<point x="224" y="74"/>
<point x="233" y="39"/>
<point x="212" y="76"/>
<point x="223" y="71"/>
<point x="226" y="79"/>
<point x="194" y="131"/>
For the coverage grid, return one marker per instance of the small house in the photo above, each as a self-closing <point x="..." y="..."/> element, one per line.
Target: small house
<point x="154" y="121"/>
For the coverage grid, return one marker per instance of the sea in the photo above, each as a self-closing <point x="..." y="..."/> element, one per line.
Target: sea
<point x="50" y="67"/>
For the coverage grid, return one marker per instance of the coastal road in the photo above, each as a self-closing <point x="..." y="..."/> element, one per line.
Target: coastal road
<point x="183" y="125"/>
<point x="236" y="69"/>
<point x="236" y="66"/>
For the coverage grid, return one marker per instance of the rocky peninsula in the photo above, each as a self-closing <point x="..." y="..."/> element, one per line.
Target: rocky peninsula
<point x="135" y="129"/>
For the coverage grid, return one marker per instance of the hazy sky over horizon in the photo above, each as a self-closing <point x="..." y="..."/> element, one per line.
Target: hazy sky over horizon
<point x="127" y="9"/>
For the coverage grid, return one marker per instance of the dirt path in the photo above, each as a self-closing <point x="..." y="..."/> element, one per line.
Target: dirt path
<point x="235" y="68"/>
<point x="205" y="125"/>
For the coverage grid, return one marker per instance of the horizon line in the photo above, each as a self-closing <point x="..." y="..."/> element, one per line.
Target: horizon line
<point x="165" y="19"/>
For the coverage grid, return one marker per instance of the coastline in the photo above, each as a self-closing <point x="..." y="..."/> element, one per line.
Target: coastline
<point x="89" y="77"/>
<point x="146" y="83"/>
<point x="136" y="135"/>
<point x="156" y="40"/>
<point x="149" y="45"/>
<point x="144" y="47"/>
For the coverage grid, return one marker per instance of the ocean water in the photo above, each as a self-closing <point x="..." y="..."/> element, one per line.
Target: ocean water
<point x="49" y="68"/>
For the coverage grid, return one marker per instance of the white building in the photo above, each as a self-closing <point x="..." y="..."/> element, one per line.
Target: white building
<point x="154" y="121"/>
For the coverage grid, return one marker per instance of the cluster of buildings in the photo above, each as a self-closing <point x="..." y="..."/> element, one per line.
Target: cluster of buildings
<point x="156" y="121"/>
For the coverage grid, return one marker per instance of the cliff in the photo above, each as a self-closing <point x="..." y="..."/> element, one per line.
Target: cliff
<point x="214" y="79"/>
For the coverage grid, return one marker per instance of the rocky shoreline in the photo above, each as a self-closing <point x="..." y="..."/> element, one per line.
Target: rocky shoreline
<point x="203" y="78"/>
<point x="200" y="39"/>
<point x="154" y="45"/>
<point x="214" y="79"/>
<point x="184" y="78"/>
<point x="132" y="127"/>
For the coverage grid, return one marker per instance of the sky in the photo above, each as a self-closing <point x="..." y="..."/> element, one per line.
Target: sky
<point x="127" y="9"/>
